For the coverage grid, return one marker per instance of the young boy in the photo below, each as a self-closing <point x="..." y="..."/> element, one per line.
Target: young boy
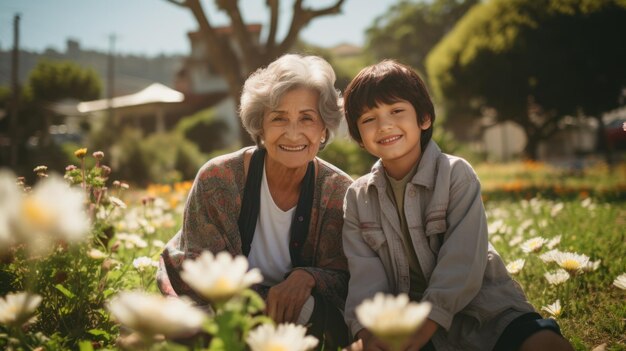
<point x="416" y="225"/>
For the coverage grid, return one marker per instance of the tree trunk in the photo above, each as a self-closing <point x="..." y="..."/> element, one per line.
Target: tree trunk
<point x="601" y="144"/>
<point x="531" y="150"/>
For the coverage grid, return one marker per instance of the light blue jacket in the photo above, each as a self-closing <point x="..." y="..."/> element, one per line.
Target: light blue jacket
<point x="472" y="295"/>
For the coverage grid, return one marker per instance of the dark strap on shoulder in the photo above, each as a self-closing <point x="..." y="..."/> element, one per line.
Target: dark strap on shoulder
<point x="250" y="206"/>
<point x="251" y="200"/>
<point x="302" y="217"/>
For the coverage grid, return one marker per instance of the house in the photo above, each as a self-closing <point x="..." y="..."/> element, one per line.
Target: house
<point x="199" y="81"/>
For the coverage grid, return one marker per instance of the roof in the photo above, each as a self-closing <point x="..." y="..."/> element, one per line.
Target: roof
<point x="155" y="93"/>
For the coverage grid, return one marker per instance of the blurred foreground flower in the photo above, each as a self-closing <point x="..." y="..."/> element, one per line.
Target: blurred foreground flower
<point x="16" y="309"/>
<point x="554" y="309"/>
<point x="553" y="242"/>
<point x="515" y="266"/>
<point x="392" y="319"/>
<point x="557" y="277"/>
<point x="219" y="278"/>
<point x="143" y="262"/>
<point x="620" y="281"/>
<point x="52" y="212"/>
<point x="285" y="337"/>
<point x="96" y="254"/>
<point x="9" y="197"/>
<point x="150" y="314"/>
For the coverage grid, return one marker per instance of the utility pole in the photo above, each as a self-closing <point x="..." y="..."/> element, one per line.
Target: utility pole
<point x="111" y="77"/>
<point x="15" y="89"/>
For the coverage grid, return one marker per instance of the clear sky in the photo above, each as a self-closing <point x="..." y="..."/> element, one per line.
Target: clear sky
<point x="151" y="27"/>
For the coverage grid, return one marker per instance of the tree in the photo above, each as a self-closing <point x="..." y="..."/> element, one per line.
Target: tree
<point x="534" y="61"/>
<point x="417" y="26"/>
<point x="53" y="81"/>
<point x="236" y="68"/>
<point x="48" y="82"/>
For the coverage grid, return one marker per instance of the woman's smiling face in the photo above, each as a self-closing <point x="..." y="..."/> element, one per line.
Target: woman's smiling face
<point x="293" y="131"/>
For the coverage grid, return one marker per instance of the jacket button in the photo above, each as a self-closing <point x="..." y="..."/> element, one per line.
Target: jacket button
<point x="412" y="192"/>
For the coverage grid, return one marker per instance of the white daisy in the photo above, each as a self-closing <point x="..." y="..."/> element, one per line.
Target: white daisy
<point x="220" y="277"/>
<point x="620" y="281"/>
<point x="392" y="318"/>
<point x="556" y="209"/>
<point x="533" y="245"/>
<point x="557" y="277"/>
<point x="549" y="256"/>
<point x="554" y="309"/>
<point x="142" y="263"/>
<point x="52" y="212"/>
<point x="516" y="266"/>
<point x="96" y="254"/>
<point x="571" y="261"/>
<point x="150" y="314"/>
<point x="592" y="266"/>
<point x="17" y="309"/>
<point x="553" y="242"/>
<point x="284" y="337"/>
<point x="10" y="198"/>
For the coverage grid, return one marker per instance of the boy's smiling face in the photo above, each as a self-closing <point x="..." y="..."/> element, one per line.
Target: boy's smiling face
<point x="392" y="133"/>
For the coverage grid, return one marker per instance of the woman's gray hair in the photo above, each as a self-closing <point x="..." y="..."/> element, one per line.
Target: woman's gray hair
<point x="265" y="87"/>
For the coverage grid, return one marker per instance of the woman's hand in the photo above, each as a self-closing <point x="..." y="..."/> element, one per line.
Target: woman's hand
<point x="285" y="300"/>
<point x="421" y="337"/>
<point x="370" y="342"/>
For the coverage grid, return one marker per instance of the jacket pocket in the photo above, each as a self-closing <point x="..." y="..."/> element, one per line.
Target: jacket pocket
<point x="435" y="230"/>
<point x="375" y="238"/>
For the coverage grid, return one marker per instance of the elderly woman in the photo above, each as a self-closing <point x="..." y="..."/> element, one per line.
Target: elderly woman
<point x="276" y="203"/>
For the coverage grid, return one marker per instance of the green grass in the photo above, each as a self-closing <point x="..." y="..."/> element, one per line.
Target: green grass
<point x="593" y="310"/>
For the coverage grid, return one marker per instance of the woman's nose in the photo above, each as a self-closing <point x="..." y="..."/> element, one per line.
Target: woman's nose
<point x="292" y="130"/>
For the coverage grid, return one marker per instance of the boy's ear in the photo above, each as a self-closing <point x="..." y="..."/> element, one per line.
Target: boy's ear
<point x="427" y="122"/>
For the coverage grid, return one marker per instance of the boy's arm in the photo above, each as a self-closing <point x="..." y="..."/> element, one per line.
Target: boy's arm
<point x="461" y="262"/>
<point x="367" y="274"/>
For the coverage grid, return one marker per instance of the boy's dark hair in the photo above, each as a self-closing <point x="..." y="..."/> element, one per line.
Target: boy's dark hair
<point x="387" y="82"/>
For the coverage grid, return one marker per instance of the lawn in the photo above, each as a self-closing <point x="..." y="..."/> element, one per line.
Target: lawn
<point x="533" y="209"/>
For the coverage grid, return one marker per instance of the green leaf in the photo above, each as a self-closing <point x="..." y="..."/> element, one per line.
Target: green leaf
<point x="99" y="332"/>
<point x="85" y="345"/>
<point x="64" y="291"/>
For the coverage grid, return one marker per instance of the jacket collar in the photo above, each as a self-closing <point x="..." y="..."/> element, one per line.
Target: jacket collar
<point x="425" y="175"/>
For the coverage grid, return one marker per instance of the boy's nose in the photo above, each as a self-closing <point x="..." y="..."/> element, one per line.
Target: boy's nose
<point x="385" y="123"/>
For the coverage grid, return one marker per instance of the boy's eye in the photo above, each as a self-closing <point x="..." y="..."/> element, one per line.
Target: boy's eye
<point x="397" y="110"/>
<point x="366" y="120"/>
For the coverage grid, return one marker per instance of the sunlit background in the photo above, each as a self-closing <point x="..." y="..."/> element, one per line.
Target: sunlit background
<point x="531" y="92"/>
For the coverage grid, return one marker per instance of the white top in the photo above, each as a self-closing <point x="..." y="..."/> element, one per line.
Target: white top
<point x="269" y="250"/>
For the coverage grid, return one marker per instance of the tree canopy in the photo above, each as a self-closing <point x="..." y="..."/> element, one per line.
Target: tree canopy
<point x="53" y="81"/>
<point x="409" y="30"/>
<point x="534" y="61"/>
